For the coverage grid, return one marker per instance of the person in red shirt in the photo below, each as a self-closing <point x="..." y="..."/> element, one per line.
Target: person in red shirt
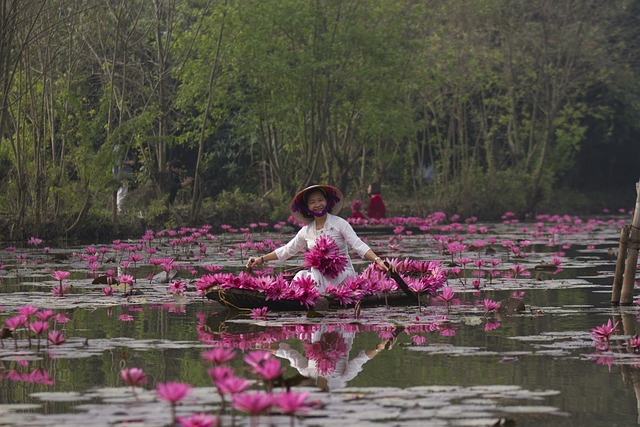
<point x="376" y="205"/>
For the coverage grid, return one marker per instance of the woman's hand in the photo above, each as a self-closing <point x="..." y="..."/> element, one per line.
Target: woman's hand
<point x="255" y="261"/>
<point x="384" y="264"/>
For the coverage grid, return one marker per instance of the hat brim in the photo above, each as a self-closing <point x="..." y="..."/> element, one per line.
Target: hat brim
<point x="297" y="202"/>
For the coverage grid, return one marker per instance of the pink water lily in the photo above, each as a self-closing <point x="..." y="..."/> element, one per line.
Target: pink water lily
<point x="60" y="275"/>
<point x="27" y="310"/>
<point x="291" y="403"/>
<point x="173" y="391"/>
<point x="255" y="358"/>
<point x="490" y="305"/>
<point x="16" y="322"/>
<point x="604" y="332"/>
<point x="232" y="385"/>
<point x="38" y="327"/>
<point x="133" y="377"/>
<point x="326" y="257"/>
<point x="447" y="295"/>
<point x="126" y="279"/>
<point x="253" y="403"/>
<point x="56" y="337"/>
<point x="269" y="369"/>
<point x="44" y="315"/>
<point x="219" y="373"/>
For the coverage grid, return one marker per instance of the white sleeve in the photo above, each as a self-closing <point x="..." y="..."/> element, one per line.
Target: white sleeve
<point x="352" y="238"/>
<point x="295" y="245"/>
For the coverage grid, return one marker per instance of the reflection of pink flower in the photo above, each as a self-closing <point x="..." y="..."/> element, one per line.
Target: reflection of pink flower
<point x="491" y="325"/>
<point x="39" y="376"/>
<point x="259" y="313"/>
<point x="58" y="291"/>
<point x="61" y="318"/>
<point x="326" y="257"/>
<point x="418" y="339"/>
<point x="327" y="351"/>
<point x="125" y="318"/>
<point x="198" y="420"/>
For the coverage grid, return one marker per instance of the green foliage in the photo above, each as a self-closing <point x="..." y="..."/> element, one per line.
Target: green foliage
<point x="240" y="209"/>
<point x="479" y="193"/>
<point x="506" y="99"/>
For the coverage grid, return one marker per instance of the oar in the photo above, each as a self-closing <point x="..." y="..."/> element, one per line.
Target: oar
<point x="400" y="281"/>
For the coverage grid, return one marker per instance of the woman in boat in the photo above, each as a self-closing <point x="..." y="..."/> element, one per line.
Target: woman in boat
<point x="318" y="206"/>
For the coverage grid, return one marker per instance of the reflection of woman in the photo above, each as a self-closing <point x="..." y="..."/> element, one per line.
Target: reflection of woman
<point x="326" y="359"/>
<point x="318" y="206"/>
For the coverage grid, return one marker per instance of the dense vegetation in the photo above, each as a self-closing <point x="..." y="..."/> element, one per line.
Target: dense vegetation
<point x="473" y="107"/>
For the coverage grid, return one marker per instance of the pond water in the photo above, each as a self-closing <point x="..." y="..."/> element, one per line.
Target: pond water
<point x="447" y="363"/>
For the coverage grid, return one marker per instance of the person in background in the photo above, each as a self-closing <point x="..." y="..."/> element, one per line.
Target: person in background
<point x="175" y="182"/>
<point x="123" y="172"/>
<point x="376" y="207"/>
<point x="318" y="207"/>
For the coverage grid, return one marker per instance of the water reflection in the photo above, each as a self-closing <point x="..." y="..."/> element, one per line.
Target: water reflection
<point x="327" y="360"/>
<point x="456" y="364"/>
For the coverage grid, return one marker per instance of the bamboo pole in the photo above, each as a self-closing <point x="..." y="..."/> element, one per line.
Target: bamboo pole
<point x="626" y="298"/>
<point x="630" y="374"/>
<point x="622" y="253"/>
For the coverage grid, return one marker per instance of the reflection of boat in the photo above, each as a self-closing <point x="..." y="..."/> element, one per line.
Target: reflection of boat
<point x="235" y="298"/>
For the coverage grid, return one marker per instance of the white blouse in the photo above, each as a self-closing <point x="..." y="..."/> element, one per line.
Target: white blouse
<point x="343" y="235"/>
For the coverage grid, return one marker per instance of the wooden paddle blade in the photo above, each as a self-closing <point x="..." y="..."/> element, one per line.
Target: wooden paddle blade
<point x="400" y="282"/>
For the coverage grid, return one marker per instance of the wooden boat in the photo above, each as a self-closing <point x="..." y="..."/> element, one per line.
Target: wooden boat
<point x="243" y="299"/>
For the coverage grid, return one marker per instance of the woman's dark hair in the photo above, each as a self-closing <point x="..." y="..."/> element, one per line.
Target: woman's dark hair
<point x="375" y="188"/>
